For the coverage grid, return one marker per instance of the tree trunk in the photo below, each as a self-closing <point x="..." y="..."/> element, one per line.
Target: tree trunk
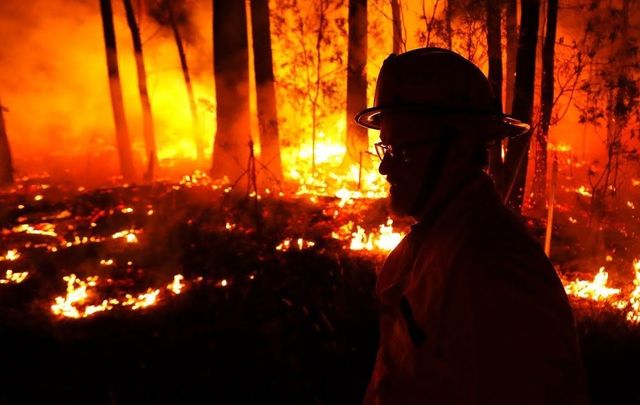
<point x="494" y="50"/>
<point x="231" y="64"/>
<point x="517" y="153"/>
<point x="115" y="88"/>
<point x="512" y="51"/>
<point x="357" y="141"/>
<point x="265" y="88"/>
<point x="6" y="162"/>
<point x="396" y="16"/>
<point x="448" y="17"/>
<point x="147" y="118"/>
<point x="197" y="137"/>
<point x="546" y="105"/>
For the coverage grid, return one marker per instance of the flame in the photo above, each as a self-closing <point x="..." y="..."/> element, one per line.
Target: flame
<point x="384" y="240"/>
<point x="582" y="190"/>
<point x="299" y="243"/>
<point x="10" y="277"/>
<point x="77" y="294"/>
<point x="596" y="290"/>
<point x="45" y="229"/>
<point x="177" y="285"/>
<point x="129" y="235"/>
<point x="10" y="256"/>
<point x="143" y="300"/>
<point x="633" y="314"/>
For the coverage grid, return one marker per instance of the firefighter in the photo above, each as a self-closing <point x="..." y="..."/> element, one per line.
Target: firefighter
<point x="472" y="311"/>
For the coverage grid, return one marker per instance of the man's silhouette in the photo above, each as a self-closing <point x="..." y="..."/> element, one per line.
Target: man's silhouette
<point x="472" y="311"/>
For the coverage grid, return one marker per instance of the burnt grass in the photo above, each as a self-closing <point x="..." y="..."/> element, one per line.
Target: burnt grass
<point x="296" y="326"/>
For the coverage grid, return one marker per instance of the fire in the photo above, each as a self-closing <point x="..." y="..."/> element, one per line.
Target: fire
<point x="582" y="190"/>
<point x="45" y="229"/>
<point x="596" y="290"/>
<point x="77" y="303"/>
<point x="177" y="284"/>
<point x="299" y="243"/>
<point x="142" y="300"/>
<point x="10" y="256"/>
<point x="384" y="241"/>
<point x="129" y="235"/>
<point x="11" y="277"/>
<point x="77" y="294"/>
<point x="633" y="314"/>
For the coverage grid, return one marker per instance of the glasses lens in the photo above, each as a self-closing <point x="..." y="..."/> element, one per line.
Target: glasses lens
<point x="380" y="150"/>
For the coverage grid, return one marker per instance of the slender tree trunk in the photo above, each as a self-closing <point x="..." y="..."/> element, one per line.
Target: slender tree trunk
<point x="448" y="17"/>
<point x="6" y="162"/>
<point x="546" y="105"/>
<point x="396" y="16"/>
<point x="197" y="137"/>
<point x="265" y="88"/>
<point x="231" y="69"/>
<point x="115" y="88"/>
<point x="517" y="154"/>
<point x="511" y="13"/>
<point x="147" y="117"/>
<point x="494" y="49"/>
<point x="357" y="141"/>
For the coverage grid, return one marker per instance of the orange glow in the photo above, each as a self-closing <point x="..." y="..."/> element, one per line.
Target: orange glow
<point x="10" y="277"/>
<point x="596" y="290"/>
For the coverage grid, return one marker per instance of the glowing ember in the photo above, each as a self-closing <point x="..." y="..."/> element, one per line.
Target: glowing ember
<point x="299" y="243"/>
<point x="596" y="290"/>
<point x="76" y="296"/>
<point x="633" y="314"/>
<point x="10" y="256"/>
<point x="129" y="235"/>
<point x="142" y="300"/>
<point x="177" y="285"/>
<point x="582" y="190"/>
<point x="631" y="205"/>
<point x="222" y="283"/>
<point x="45" y="229"/>
<point x="13" y="278"/>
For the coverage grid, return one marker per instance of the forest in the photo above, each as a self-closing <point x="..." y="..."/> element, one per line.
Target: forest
<point x="189" y="212"/>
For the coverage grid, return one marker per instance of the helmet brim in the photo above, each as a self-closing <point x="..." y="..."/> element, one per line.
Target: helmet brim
<point x="506" y="126"/>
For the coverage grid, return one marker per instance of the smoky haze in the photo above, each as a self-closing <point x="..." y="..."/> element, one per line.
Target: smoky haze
<point x="53" y="82"/>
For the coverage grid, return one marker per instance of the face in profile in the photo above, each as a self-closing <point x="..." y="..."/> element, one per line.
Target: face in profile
<point x="407" y="162"/>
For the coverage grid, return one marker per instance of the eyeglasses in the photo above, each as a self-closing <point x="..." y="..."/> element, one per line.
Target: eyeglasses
<point x="397" y="152"/>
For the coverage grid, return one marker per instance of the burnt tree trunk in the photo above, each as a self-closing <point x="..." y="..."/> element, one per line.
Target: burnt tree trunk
<point x="494" y="50"/>
<point x="6" y="161"/>
<point x="546" y="105"/>
<point x="265" y="88"/>
<point x="357" y="141"/>
<point x="147" y="117"/>
<point x="230" y="66"/>
<point x="518" y="148"/>
<point x="511" y="17"/>
<point x="115" y="88"/>
<point x="448" y="16"/>
<point x="396" y="17"/>
<point x="197" y="137"/>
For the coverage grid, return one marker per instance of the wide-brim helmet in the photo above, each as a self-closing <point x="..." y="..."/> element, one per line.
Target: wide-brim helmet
<point x="438" y="82"/>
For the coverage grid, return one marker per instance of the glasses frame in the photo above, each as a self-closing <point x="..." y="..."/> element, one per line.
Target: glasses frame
<point x="402" y="154"/>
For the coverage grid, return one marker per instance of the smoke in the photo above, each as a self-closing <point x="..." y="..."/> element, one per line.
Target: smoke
<point x="54" y="83"/>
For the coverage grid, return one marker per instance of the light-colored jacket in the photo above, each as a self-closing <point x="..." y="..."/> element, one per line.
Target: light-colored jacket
<point x="472" y="312"/>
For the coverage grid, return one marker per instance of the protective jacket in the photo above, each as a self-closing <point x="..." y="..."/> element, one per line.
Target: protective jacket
<point x="472" y="312"/>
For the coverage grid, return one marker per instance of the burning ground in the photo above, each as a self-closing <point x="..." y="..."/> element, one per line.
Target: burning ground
<point x="179" y="291"/>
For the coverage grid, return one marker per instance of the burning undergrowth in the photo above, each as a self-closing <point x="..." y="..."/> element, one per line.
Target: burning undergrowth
<point x="174" y="292"/>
